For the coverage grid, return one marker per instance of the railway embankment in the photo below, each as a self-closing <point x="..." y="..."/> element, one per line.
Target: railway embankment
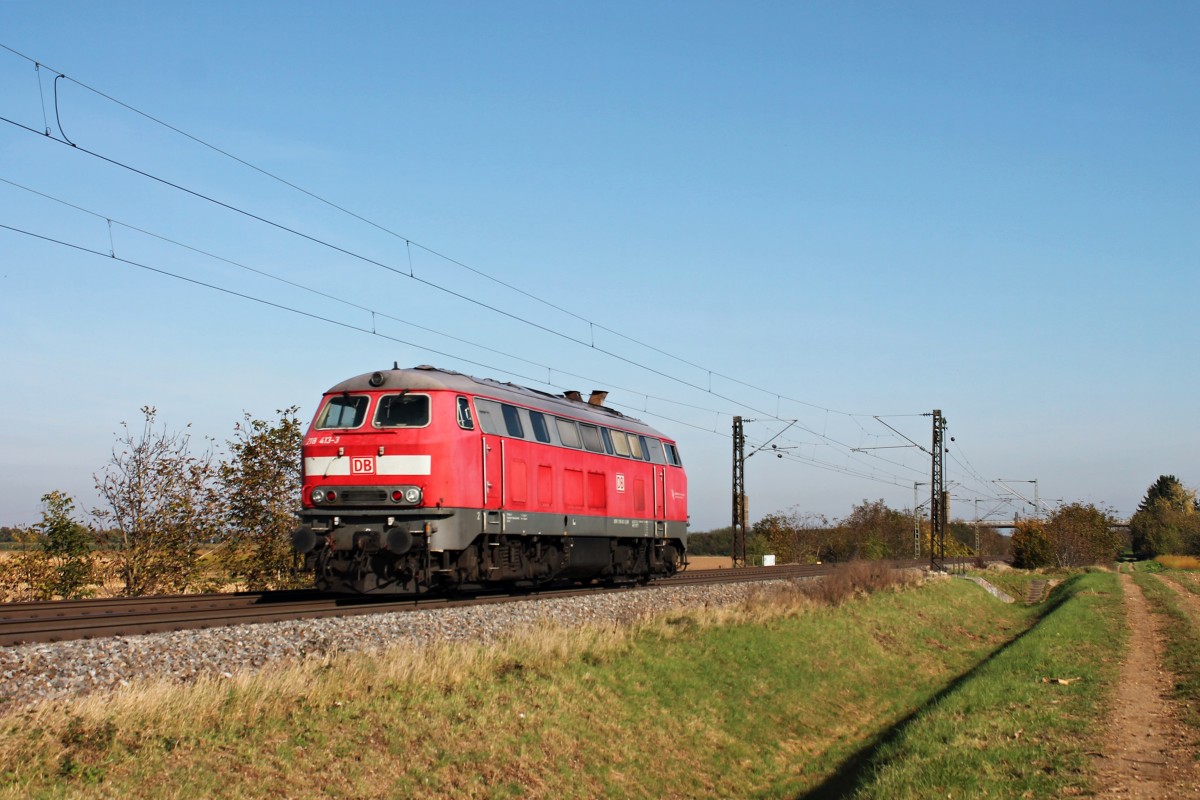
<point x="901" y="692"/>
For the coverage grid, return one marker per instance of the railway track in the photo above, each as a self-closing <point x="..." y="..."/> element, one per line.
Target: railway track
<point x="62" y="620"/>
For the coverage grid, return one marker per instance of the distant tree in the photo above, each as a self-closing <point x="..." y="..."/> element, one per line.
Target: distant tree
<point x="718" y="542"/>
<point x="872" y="530"/>
<point x="1031" y="546"/>
<point x="67" y="545"/>
<point x="1167" y="520"/>
<point x="261" y="482"/>
<point x="164" y="502"/>
<point x="993" y="542"/>
<point x="56" y="560"/>
<point x="794" y="537"/>
<point x="1082" y="534"/>
<point x="963" y="535"/>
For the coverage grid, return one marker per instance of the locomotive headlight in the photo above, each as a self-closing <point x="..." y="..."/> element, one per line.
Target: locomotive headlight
<point x="318" y="496"/>
<point x="409" y="495"/>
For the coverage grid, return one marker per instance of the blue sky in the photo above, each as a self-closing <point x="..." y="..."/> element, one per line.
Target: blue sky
<point x="820" y="212"/>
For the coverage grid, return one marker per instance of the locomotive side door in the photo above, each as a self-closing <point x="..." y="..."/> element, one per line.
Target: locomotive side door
<point x="493" y="471"/>
<point x="660" y="500"/>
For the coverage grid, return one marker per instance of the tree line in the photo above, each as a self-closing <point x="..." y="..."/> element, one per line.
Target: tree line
<point x="1167" y="522"/>
<point x="175" y="517"/>
<point x="871" y="530"/>
<point x="1076" y="534"/>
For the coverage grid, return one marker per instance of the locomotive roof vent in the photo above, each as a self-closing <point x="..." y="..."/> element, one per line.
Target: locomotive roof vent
<point x="597" y="397"/>
<point x="571" y="394"/>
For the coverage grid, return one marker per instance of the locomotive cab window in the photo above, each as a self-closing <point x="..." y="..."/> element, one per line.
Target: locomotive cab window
<point x="347" y="411"/>
<point x="402" y="411"/>
<point x="464" y="415"/>
<point x="672" y="455"/>
<point x="651" y="450"/>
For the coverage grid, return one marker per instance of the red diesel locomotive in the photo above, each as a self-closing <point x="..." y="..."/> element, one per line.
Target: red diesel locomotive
<point x="425" y="479"/>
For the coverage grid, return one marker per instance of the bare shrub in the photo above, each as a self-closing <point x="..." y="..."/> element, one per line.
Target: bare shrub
<point x="164" y="502"/>
<point x="855" y="579"/>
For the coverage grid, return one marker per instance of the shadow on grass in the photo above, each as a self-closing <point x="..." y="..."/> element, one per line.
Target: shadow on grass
<point x="855" y="772"/>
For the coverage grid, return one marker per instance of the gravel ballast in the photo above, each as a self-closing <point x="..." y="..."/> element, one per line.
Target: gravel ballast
<point x="34" y="672"/>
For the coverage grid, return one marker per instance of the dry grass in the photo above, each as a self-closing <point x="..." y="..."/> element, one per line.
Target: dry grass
<point x="1179" y="562"/>
<point x="339" y="680"/>
<point x="856" y="579"/>
<point x="212" y="575"/>
<point x="710" y="562"/>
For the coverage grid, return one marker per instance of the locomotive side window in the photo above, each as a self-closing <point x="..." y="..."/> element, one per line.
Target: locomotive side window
<point x="512" y="421"/>
<point x="635" y="448"/>
<point x="347" y="411"/>
<point x="568" y="432"/>
<point x="464" y="415"/>
<point x="541" y="431"/>
<point x="591" y="438"/>
<point x="606" y="434"/>
<point x="672" y="455"/>
<point x="489" y="416"/>
<point x="620" y="443"/>
<point x="402" y="411"/>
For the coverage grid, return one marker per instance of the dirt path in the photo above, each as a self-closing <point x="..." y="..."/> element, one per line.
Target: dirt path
<point x="1190" y="600"/>
<point x="1147" y="752"/>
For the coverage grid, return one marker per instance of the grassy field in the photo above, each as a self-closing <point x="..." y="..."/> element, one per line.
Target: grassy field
<point x="931" y="691"/>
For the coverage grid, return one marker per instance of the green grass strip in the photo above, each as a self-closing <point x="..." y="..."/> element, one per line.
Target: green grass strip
<point x="1007" y="728"/>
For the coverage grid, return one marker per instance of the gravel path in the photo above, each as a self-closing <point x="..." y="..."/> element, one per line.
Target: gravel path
<point x="33" y="672"/>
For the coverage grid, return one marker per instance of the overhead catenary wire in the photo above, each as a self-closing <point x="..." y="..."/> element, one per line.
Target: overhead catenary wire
<point x="374" y="262"/>
<point x="409" y="243"/>
<point x="818" y="463"/>
<point x="76" y="148"/>
<point x="327" y="295"/>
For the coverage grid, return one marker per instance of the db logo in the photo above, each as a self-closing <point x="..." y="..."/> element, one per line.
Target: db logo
<point x="620" y="482"/>
<point x="362" y="466"/>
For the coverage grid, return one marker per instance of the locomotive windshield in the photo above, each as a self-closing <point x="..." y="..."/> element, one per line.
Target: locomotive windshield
<point x="347" y="411"/>
<point x="402" y="411"/>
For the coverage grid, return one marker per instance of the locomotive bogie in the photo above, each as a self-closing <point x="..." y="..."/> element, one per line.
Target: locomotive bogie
<point x="423" y="479"/>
